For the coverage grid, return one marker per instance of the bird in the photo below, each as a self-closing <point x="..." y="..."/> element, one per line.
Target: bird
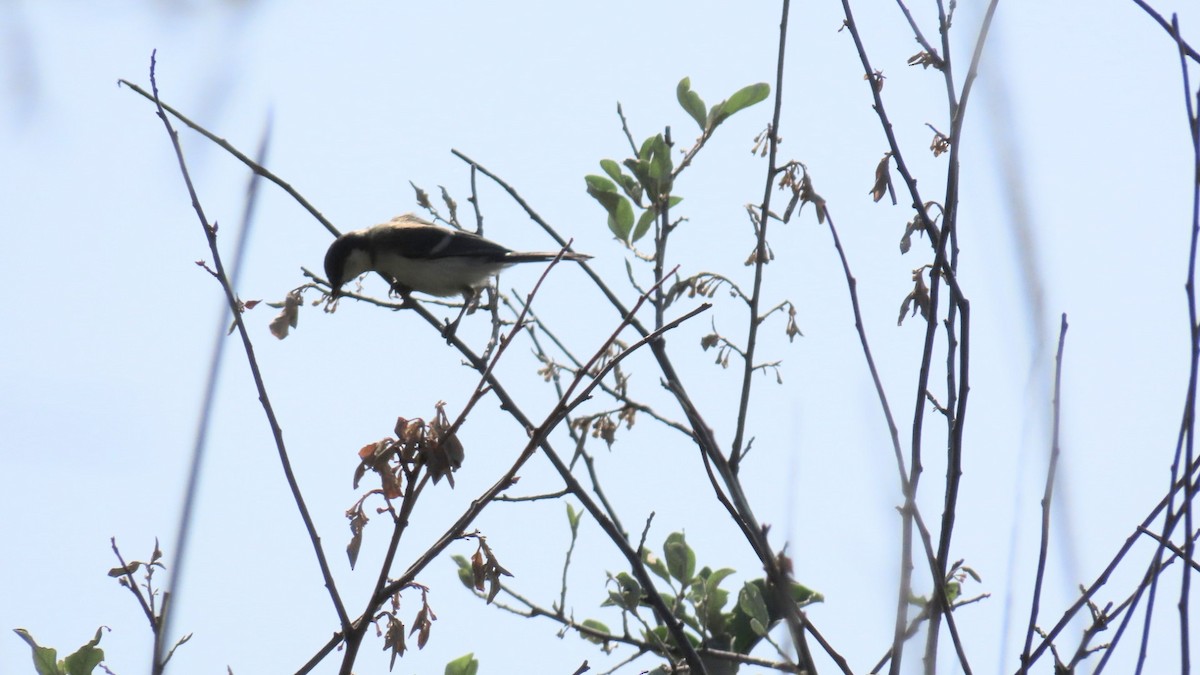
<point x="416" y="255"/>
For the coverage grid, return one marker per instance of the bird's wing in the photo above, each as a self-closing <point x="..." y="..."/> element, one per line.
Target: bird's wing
<point x="432" y="242"/>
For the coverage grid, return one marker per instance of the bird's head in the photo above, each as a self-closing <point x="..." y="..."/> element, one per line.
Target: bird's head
<point x="346" y="258"/>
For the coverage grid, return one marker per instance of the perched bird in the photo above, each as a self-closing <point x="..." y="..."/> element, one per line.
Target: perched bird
<point x="416" y="255"/>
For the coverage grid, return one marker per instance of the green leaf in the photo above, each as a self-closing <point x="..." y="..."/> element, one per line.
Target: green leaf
<point x="620" y="219"/>
<point x="628" y="595"/>
<point x="643" y="224"/>
<point x="573" y="519"/>
<point x="611" y="201"/>
<point x="714" y="580"/>
<point x="656" y="635"/>
<point x="633" y="189"/>
<point x="662" y="169"/>
<point x="661" y="634"/>
<point x="681" y="559"/>
<point x="45" y="659"/>
<point x="717" y="597"/>
<point x="655" y="564"/>
<point x="690" y="101"/>
<point x="746" y="97"/>
<point x="952" y="590"/>
<point x="465" y="574"/>
<point x="463" y="665"/>
<point x="803" y="595"/>
<point x="708" y="600"/>
<point x="641" y="170"/>
<point x="660" y="161"/>
<point x="750" y="601"/>
<point x="620" y="211"/>
<point x="637" y="167"/>
<point x="596" y="626"/>
<point x="647" y="149"/>
<point x="653" y="167"/>
<point x="613" y="170"/>
<point x="628" y="183"/>
<point x="599" y="184"/>
<point x="678" y="609"/>
<point x="86" y="658"/>
<point x="741" y="99"/>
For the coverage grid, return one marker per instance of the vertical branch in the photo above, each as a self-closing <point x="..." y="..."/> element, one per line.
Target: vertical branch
<point x="943" y="238"/>
<point x="947" y="59"/>
<point x="1047" y="495"/>
<point x="662" y="232"/>
<point x="1189" y="414"/>
<point x="760" y="255"/>
<point x="909" y="482"/>
<point x="957" y="392"/>
<point x="1184" y="449"/>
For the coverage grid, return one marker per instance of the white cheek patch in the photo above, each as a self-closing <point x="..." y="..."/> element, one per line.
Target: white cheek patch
<point x="358" y="262"/>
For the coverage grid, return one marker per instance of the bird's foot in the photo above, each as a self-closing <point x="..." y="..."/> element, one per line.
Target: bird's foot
<point x="402" y="292"/>
<point x="449" y="330"/>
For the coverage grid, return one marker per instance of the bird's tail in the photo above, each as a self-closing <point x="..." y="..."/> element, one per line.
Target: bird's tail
<point x="543" y="256"/>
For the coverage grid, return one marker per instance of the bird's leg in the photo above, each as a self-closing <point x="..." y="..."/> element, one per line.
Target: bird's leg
<point x="469" y="297"/>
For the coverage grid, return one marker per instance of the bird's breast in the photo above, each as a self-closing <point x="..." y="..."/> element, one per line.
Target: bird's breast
<point x="438" y="276"/>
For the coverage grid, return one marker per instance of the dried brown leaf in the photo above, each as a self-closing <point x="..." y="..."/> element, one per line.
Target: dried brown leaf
<point x="358" y="521"/>
<point x="394" y="639"/>
<point x="288" y="317"/>
<point x="917" y="299"/>
<point x="883" y="177"/>
<point x="422" y="196"/>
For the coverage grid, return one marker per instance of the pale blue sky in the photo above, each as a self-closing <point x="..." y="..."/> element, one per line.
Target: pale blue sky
<point x="110" y="322"/>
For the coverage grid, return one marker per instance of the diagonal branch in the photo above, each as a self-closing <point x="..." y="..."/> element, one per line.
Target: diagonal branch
<point x="256" y="167"/>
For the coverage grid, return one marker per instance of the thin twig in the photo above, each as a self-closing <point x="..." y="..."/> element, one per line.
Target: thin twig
<point x="502" y="346"/>
<point x="1047" y="496"/>
<point x="1183" y="555"/>
<point x="623" y="398"/>
<point x="929" y="49"/>
<point x="1184" y="46"/>
<point x="224" y="145"/>
<point x="852" y="286"/>
<point x="625" y="128"/>
<point x="910" y="482"/>
<point x="146" y="608"/>
<point x="760" y="256"/>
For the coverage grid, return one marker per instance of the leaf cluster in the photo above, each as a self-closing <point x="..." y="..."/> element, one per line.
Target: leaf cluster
<point x="700" y="603"/>
<point x="645" y="181"/>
